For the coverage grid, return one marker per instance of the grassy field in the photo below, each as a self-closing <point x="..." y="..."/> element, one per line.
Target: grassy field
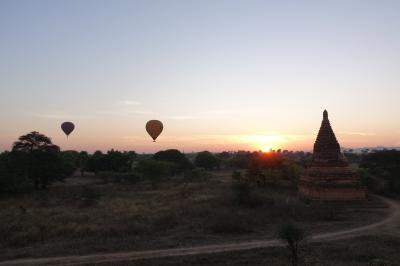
<point x="362" y="251"/>
<point x="86" y="216"/>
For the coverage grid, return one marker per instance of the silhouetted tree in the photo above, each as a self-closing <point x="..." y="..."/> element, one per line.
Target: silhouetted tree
<point x="70" y="162"/>
<point x="95" y="162"/>
<point x="206" y="160"/>
<point x="39" y="159"/>
<point x="83" y="160"/>
<point x="12" y="178"/>
<point x="173" y="156"/>
<point x="241" y="159"/>
<point x="155" y="170"/>
<point x="294" y="237"/>
<point x="113" y="161"/>
<point x="116" y="161"/>
<point x="383" y="166"/>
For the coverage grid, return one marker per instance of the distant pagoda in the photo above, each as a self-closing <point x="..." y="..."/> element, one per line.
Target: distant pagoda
<point x="329" y="176"/>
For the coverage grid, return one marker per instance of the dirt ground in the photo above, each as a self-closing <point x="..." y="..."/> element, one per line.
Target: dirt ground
<point x="122" y="217"/>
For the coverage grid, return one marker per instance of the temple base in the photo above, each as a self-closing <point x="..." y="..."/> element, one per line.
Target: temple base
<point x="332" y="194"/>
<point x="331" y="184"/>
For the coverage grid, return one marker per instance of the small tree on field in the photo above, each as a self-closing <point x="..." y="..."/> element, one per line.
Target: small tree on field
<point x="294" y="237"/>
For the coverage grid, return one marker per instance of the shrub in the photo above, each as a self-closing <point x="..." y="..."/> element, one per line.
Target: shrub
<point x="244" y="195"/>
<point x="294" y="237"/>
<point x="155" y="171"/>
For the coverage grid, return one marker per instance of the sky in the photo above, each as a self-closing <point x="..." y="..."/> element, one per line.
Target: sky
<point x="220" y="75"/>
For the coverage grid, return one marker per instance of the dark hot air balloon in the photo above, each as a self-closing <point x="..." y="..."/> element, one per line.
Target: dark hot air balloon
<point x="154" y="128"/>
<point x="67" y="127"/>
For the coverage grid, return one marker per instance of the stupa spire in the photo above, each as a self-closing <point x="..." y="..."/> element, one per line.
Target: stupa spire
<point x="325" y="114"/>
<point x="326" y="146"/>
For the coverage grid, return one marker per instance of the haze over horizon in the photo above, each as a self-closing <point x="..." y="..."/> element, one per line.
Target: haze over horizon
<point x="220" y="75"/>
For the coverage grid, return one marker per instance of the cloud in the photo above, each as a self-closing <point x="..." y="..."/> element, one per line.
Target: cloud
<point x="363" y="134"/>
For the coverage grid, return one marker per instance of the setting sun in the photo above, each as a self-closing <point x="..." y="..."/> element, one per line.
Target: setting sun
<point x="266" y="148"/>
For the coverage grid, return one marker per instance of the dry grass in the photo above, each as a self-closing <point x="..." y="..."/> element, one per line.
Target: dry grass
<point x="362" y="251"/>
<point x="89" y="217"/>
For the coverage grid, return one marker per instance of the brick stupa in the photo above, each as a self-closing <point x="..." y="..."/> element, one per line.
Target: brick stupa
<point x="329" y="176"/>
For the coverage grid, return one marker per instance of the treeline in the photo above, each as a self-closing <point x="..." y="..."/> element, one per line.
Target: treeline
<point x="35" y="162"/>
<point x="380" y="172"/>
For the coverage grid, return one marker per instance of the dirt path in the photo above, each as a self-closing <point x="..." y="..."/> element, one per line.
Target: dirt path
<point x="387" y="225"/>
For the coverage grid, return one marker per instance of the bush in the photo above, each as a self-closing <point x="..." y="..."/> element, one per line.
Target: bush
<point x="244" y="195"/>
<point x="156" y="171"/>
<point x="293" y="236"/>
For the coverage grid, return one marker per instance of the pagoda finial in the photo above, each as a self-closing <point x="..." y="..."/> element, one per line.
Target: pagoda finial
<point x="325" y="114"/>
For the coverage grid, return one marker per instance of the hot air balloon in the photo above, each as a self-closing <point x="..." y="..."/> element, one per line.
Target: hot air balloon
<point x="67" y="127"/>
<point x="154" y="128"/>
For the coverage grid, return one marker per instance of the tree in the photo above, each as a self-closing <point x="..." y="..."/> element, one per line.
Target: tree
<point x="95" y="162"/>
<point x="70" y="161"/>
<point x="39" y="159"/>
<point x="154" y="170"/>
<point x="173" y="156"/>
<point x="114" y="161"/>
<point x="12" y="178"/>
<point x="384" y="167"/>
<point x="294" y="237"/>
<point x="206" y="160"/>
<point x="83" y="160"/>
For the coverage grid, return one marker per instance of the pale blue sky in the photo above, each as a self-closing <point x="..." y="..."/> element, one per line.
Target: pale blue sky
<point x="215" y="72"/>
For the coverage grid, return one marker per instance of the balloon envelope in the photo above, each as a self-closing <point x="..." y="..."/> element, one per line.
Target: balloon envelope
<point x="154" y="128"/>
<point x="67" y="127"/>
